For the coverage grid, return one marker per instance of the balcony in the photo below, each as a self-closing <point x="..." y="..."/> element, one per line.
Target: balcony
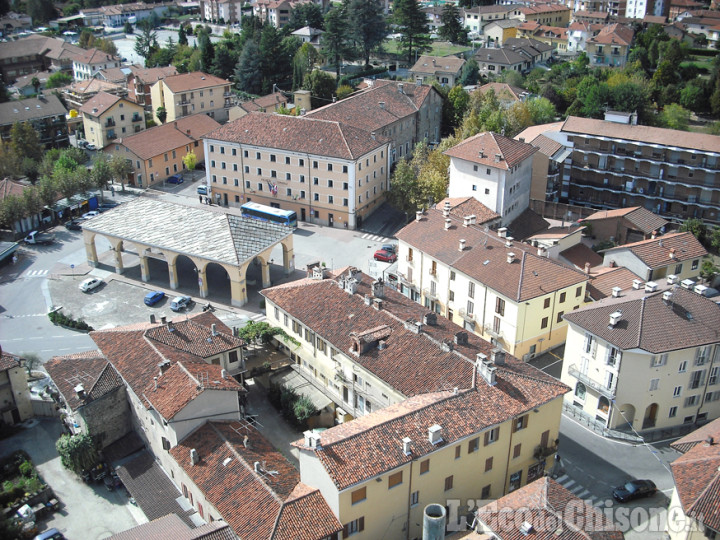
<point x="467" y="316"/>
<point x="429" y="293"/>
<point x="109" y="122"/>
<point x="137" y="118"/>
<point x="490" y="331"/>
<point x="587" y="381"/>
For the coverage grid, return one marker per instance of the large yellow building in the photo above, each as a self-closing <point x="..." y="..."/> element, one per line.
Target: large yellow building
<point x="505" y="291"/>
<point x="107" y="117"/>
<point x="192" y="93"/>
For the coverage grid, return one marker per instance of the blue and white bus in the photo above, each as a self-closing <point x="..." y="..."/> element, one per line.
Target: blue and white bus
<point x="268" y="213"/>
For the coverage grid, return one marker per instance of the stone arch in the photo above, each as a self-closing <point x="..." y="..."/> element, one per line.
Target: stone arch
<point x="580" y="391"/>
<point x="625" y="416"/>
<point x="650" y="418"/>
<point x="603" y="405"/>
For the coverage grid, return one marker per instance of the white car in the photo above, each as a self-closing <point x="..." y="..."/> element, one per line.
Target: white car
<point x="90" y="283"/>
<point x="180" y="302"/>
<point x="90" y="214"/>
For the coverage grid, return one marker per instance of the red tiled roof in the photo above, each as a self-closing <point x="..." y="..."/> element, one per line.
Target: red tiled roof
<point x="580" y="254"/>
<point x="305" y="134"/>
<point x="11" y="187"/>
<point x="648" y="323"/>
<point x="469" y="206"/>
<point x="160" y="139"/>
<point x="643" y="134"/>
<point x="485" y="258"/>
<point x="555" y="512"/>
<point x="305" y="514"/>
<point x="533" y="132"/>
<point x="375" y="440"/>
<point x="438" y="64"/>
<point x="484" y="148"/>
<point x="502" y="90"/>
<point x="8" y="361"/>
<point x="656" y="253"/>
<point x="90" y="370"/>
<point x="527" y="224"/>
<point x="543" y="8"/>
<point x="197" y="80"/>
<point x="268" y="102"/>
<point x="171" y="526"/>
<point x="95" y="56"/>
<point x="613" y="34"/>
<point x="99" y="104"/>
<point x="601" y="285"/>
<point x="700" y="435"/>
<point x="250" y="502"/>
<point x="195" y="338"/>
<point x="637" y="216"/>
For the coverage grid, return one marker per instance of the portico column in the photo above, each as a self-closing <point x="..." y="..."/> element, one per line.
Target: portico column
<point x="144" y="268"/>
<point x="119" y="268"/>
<point x="288" y="261"/>
<point x="265" y="274"/>
<point x="238" y="291"/>
<point x="172" y="274"/>
<point x="202" y="282"/>
<point x="90" y="250"/>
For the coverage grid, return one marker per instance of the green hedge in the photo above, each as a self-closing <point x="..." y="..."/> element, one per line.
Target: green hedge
<point x="347" y="79"/>
<point x="58" y="317"/>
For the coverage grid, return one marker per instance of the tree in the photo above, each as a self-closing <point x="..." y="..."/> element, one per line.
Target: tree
<point x="161" y="114"/>
<point x="541" y="110"/>
<point x="675" y="116"/>
<point x="248" y="71"/>
<point x="322" y="87"/>
<point x="77" y="452"/>
<point x="57" y="80"/>
<point x="190" y="160"/>
<point x="32" y="204"/>
<point x="264" y="333"/>
<point x="24" y="141"/>
<point x="146" y="42"/>
<point x="207" y="51"/>
<point x="303" y="62"/>
<point x="404" y="192"/>
<point x="128" y="28"/>
<point x="182" y="36"/>
<point x="31" y="361"/>
<point x="452" y="28"/>
<point x="697" y="227"/>
<point x="715" y="239"/>
<point x="306" y="14"/>
<point x="458" y="99"/>
<point x="470" y="73"/>
<point x="101" y="172"/>
<point x="708" y="269"/>
<point x="223" y="63"/>
<point x="121" y="168"/>
<point x="303" y="409"/>
<point x="11" y="210"/>
<point x="334" y="40"/>
<point x="47" y="191"/>
<point x="35" y="84"/>
<point x="413" y="27"/>
<point x="367" y="25"/>
<point x="41" y="11"/>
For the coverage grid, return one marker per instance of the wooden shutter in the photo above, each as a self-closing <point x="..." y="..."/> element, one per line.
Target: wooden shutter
<point x="361" y="524"/>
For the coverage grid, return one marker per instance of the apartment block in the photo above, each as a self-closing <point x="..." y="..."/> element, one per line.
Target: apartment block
<point x="494" y="169"/>
<point x="505" y="291"/>
<point x="674" y="174"/>
<point x="228" y="11"/>
<point x="644" y="359"/>
<point x="610" y="46"/>
<point x="45" y="113"/>
<point x="477" y="17"/>
<point x="328" y="172"/>
<point x="548" y="14"/>
<point x="107" y="117"/>
<point x="87" y="65"/>
<point x="192" y="93"/>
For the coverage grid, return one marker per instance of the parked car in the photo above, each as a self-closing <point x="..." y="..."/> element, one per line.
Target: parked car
<point x="81" y="143"/>
<point x="392" y="248"/>
<point x="38" y="238"/>
<point x="202" y="190"/>
<point x="175" y="179"/>
<point x="200" y="166"/>
<point x="635" y="489"/>
<point x="91" y="147"/>
<point x="90" y="283"/>
<point x="385" y="255"/>
<point x="153" y="297"/>
<point x="74" y="225"/>
<point x="91" y="214"/>
<point x="180" y="302"/>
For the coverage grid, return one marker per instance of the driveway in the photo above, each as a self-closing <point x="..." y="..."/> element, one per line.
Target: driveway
<point x="87" y="512"/>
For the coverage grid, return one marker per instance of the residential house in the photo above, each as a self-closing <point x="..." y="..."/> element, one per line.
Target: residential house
<point x="624" y="225"/>
<point x="591" y="17"/>
<point x="487" y="282"/>
<point x="13" y="188"/>
<point x="222" y="11"/>
<point x="24" y="87"/>
<point x="496" y="33"/>
<point x="645" y="358"/>
<point x="270" y="103"/>
<point x="556" y="241"/>
<point x="78" y="93"/>
<point x="548" y="165"/>
<point x="694" y="511"/>
<point x="445" y="70"/>
<point x="477" y="18"/>
<point x="46" y="114"/>
<point x="92" y="396"/>
<point x="549" y="510"/>
<point x="494" y="169"/>
<point x="610" y="46"/>
<point x="86" y="65"/>
<point x="554" y="36"/>
<point x="14" y="391"/>
<point x="107" y="117"/>
<point x="172" y="524"/>
<point x="328" y="172"/>
<point x="158" y="152"/>
<point x="604" y="279"/>
<point x="310" y="35"/>
<point x="506" y="94"/>
<point x="549" y="14"/>
<point x="192" y="93"/>
<point x="434" y="17"/>
<point x="12" y="23"/>
<point x="274" y="12"/>
<point x="404" y="113"/>
<point x="464" y="444"/>
<point x="598" y="6"/>
<point x="680" y="7"/>
<point x="669" y="172"/>
<point x="137" y="80"/>
<point x="578" y="34"/>
<point x="470" y="206"/>
<point x="638" y="9"/>
<point x="519" y="54"/>
<point x="36" y="53"/>
<point x="675" y="254"/>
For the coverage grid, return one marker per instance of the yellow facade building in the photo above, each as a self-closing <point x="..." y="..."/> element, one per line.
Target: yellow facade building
<point x="107" y="117"/>
<point x="191" y="93"/>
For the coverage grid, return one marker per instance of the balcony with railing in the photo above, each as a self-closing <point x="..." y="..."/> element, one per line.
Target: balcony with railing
<point x="467" y="316"/>
<point x="588" y="382"/>
<point x="110" y="122"/>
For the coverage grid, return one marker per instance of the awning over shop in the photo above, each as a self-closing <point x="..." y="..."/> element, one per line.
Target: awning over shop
<point x="294" y="380"/>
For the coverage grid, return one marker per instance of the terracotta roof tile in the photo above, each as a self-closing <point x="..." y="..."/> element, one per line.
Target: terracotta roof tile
<point x="160" y="139"/>
<point x="171" y="526"/>
<point x="11" y="187"/>
<point x="92" y="371"/>
<point x="469" y="206"/>
<point x="438" y="64"/>
<point x="484" y="149"/>
<point x="304" y="134"/>
<point x="543" y="8"/>
<point x="553" y="510"/>
<point x="99" y="103"/>
<point x="601" y="285"/>
<point x="503" y="90"/>
<point x="531" y="133"/>
<point x="195" y="338"/>
<point x="614" y="34"/>
<point x="250" y="502"/>
<point x="648" y="323"/>
<point x="95" y="56"/>
<point x="656" y="253"/>
<point x="197" y="80"/>
<point x="700" y="435"/>
<point x="485" y="258"/>
<point x="580" y="254"/>
<point x="305" y="514"/>
<point x="644" y="134"/>
<point x="546" y="145"/>
<point x="8" y="361"/>
<point x="527" y="224"/>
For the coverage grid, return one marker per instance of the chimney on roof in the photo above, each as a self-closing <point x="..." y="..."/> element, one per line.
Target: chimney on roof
<point x="378" y="288"/>
<point x="303" y="112"/>
<point x="155" y="381"/>
<point x="401" y="88"/>
<point x="461" y="245"/>
<point x="653" y="236"/>
<point x="170" y="326"/>
<point x="616" y="292"/>
<point x="485" y="369"/>
<point x="446" y="212"/>
<point x="667" y="297"/>
<point x="175" y="124"/>
<point x="382" y="105"/>
<point x="163" y="319"/>
<point x="672" y="253"/>
<point x="246" y="441"/>
<point x="498" y="357"/>
<point x="461" y="338"/>
<point x="473" y="219"/>
<point x="672" y="279"/>
<point x="194" y="457"/>
<point x="164" y="365"/>
<point x="213" y="329"/>
<point x="448" y="222"/>
<point x="152" y="318"/>
<point x="80" y="391"/>
<point x="418" y="81"/>
<point x="502" y="232"/>
<point x="481" y="154"/>
<point x="587" y="268"/>
<point x="637" y="284"/>
<point x="615" y="318"/>
<point x="419" y="215"/>
<point x="406" y="446"/>
<point x="522" y="139"/>
<point x="466" y="221"/>
<point x="651" y="286"/>
<point x="430" y="318"/>
<point x="541" y="251"/>
<point x="510" y="257"/>
<point x="498" y="158"/>
<point x="224" y="373"/>
<point x="258" y="470"/>
<point x="435" y="434"/>
<point x="372" y="135"/>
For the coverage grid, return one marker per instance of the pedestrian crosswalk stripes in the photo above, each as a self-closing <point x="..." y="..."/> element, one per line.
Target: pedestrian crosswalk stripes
<point x="375" y="238"/>
<point x="579" y="491"/>
<point x="35" y="273"/>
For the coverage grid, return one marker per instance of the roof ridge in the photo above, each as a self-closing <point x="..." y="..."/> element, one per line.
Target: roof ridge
<point x="641" y="320"/>
<point x="192" y="377"/>
<point x="522" y="276"/>
<point x="102" y="371"/>
<point x="712" y="481"/>
<point x="244" y="462"/>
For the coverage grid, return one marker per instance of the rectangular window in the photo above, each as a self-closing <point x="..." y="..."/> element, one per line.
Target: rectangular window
<point x="697" y="379"/>
<point x="457" y="452"/>
<point x="544" y="322"/>
<point x="257" y="155"/>
<point x="673" y="412"/>
<point x="492" y="436"/>
<point x="682" y="368"/>
<point x="677" y="391"/>
<point x="315" y="164"/>
<point x="500" y="306"/>
<point x="354" y="527"/>
<point x="485" y="494"/>
<point x="395" y="480"/>
<point x="470" y="307"/>
<point x="272" y="158"/>
<point x="695" y="264"/>
<point x="471" y="289"/>
<point x="414" y="498"/>
<point x="488" y="464"/>
<point x="516" y="451"/>
<point x="424" y="466"/>
<point x="560" y="316"/>
<point x="657" y="361"/>
<point x="691" y="401"/>
<point x="546" y="303"/>
<point x="714" y="372"/>
<point x="578" y="292"/>
<point x="358" y="495"/>
<point x="654" y="383"/>
<point x="521" y="422"/>
<point x="449" y="483"/>
<point x="473" y="445"/>
<point x="562" y="297"/>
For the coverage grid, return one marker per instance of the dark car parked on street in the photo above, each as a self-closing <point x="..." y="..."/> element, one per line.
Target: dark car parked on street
<point x="175" y="179"/>
<point x="635" y="489"/>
